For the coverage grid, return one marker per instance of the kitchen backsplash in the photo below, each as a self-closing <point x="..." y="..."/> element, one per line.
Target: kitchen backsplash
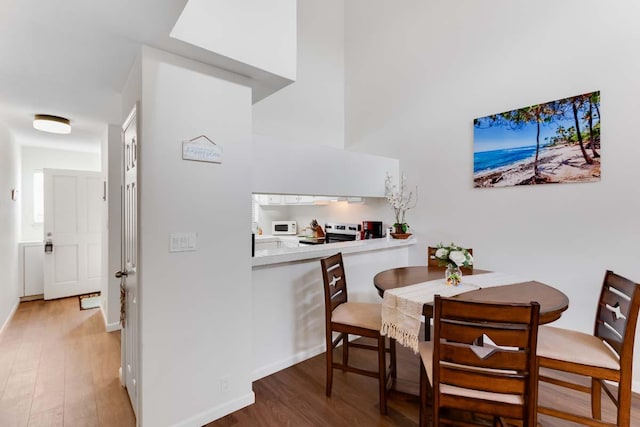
<point x="371" y="209"/>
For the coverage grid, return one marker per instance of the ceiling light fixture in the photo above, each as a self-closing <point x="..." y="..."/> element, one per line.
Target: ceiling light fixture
<point x="53" y="124"/>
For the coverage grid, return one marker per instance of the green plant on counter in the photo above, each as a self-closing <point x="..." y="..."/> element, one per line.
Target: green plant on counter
<point x="400" y="201"/>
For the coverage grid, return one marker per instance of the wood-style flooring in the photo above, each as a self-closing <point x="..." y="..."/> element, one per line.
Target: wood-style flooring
<point x="296" y="397"/>
<point x="58" y="367"/>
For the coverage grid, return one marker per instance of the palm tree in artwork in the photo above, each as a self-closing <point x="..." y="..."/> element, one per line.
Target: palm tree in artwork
<point x="578" y="102"/>
<point x="594" y="100"/>
<point x="539" y="114"/>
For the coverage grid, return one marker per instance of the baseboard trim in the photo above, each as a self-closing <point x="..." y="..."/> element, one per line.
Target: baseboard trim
<point x="285" y="363"/>
<point x="109" y="327"/>
<point x="11" y="313"/>
<point x="112" y="327"/>
<point x="31" y="298"/>
<point x="218" y="412"/>
<point x="635" y="386"/>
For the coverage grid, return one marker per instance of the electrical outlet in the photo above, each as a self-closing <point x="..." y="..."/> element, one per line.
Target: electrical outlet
<point x="224" y="384"/>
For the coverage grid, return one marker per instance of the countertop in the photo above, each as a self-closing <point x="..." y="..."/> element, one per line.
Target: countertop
<point x="307" y="252"/>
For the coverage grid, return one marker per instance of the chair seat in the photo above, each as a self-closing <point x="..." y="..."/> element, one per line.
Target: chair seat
<point x="359" y="314"/>
<point x="575" y="347"/>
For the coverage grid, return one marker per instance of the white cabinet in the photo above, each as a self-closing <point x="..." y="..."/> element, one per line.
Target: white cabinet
<point x="273" y="199"/>
<point x="31" y="262"/>
<point x="289" y="241"/>
<point x="298" y="200"/>
<point x="269" y="199"/>
<point x="273" y="242"/>
<point x="289" y="199"/>
<point x="267" y="244"/>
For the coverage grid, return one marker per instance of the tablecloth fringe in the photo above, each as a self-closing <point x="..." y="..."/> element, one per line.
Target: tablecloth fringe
<point x="403" y="336"/>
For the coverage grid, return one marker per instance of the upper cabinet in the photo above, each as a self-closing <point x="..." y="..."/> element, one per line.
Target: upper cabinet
<point x="281" y="168"/>
<point x="299" y="200"/>
<point x="288" y="199"/>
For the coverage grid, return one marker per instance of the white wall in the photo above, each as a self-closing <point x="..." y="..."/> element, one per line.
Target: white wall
<point x="258" y="33"/>
<point x="195" y="307"/>
<point x="418" y="73"/>
<point x="286" y="168"/>
<point x="9" y="225"/>
<point x="311" y="110"/>
<point x="38" y="158"/>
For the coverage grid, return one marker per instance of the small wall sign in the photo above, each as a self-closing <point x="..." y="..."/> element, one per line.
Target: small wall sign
<point x="201" y="149"/>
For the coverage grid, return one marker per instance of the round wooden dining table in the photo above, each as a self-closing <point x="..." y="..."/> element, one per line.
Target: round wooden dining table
<point x="552" y="301"/>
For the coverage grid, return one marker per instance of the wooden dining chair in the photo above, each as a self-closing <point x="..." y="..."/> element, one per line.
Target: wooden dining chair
<point x="481" y="363"/>
<point x="607" y="355"/>
<point x="432" y="262"/>
<point x="355" y="318"/>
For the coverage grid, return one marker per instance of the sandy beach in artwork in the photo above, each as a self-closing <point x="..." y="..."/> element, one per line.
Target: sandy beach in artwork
<point x="563" y="163"/>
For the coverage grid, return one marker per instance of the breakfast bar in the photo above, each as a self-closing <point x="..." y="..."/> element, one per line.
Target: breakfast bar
<point x="288" y="313"/>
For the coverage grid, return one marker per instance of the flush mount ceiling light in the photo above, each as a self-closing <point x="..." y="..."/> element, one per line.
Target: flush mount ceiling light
<point x="53" y="124"/>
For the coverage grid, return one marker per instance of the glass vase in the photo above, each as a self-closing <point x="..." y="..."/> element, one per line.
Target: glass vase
<point x="453" y="275"/>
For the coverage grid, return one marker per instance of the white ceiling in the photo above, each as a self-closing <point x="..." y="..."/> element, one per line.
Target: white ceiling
<point x="71" y="58"/>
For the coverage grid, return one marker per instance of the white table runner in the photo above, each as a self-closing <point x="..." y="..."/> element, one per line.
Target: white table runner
<point x="402" y="307"/>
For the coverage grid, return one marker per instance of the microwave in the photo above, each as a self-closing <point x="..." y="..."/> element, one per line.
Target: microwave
<point x="284" y="227"/>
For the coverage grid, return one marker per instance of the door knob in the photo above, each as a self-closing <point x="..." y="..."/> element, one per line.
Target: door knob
<point x="120" y="274"/>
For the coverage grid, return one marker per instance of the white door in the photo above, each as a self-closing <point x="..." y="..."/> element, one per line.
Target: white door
<point x="73" y="225"/>
<point x="129" y="264"/>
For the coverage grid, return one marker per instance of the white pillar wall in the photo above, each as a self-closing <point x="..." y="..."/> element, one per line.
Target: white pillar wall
<point x="195" y="307"/>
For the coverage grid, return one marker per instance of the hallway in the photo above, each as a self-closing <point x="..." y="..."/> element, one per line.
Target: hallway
<point x="58" y="367"/>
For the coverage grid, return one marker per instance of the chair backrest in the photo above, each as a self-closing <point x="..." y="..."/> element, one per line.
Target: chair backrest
<point x="617" y="316"/>
<point x="470" y="373"/>
<point x="335" y="283"/>
<point x="432" y="261"/>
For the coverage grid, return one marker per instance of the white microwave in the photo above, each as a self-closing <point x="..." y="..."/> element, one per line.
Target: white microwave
<point x="284" y="227"/>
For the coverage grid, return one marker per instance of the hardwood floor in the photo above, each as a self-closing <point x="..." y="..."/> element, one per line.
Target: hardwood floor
<point x="296" y="397"/>
<point x="58" y="367"/>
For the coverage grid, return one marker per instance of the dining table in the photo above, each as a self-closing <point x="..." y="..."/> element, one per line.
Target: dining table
<point x="552" y="301"/>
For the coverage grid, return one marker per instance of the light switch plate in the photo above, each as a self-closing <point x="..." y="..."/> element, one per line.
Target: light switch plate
<point x="183" y="242"/>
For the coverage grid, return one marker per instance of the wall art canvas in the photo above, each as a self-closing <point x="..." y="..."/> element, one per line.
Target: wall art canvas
<point x="554" y="142"/>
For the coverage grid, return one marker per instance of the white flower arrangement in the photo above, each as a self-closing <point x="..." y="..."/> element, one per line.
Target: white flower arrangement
<point x="453" y="254"/>
<point x="400" y="200"/>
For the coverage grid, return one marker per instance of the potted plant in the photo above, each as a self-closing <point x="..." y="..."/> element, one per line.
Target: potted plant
<point x="400" y="201"/>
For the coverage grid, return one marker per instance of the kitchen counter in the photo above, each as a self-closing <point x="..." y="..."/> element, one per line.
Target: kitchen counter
<point x="288" y="295"/>
<point x="308" y="252"/>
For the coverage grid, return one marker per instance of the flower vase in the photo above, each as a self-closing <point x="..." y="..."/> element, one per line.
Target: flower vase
<point x="399" y="229"/>
<point x="453" y="275"/>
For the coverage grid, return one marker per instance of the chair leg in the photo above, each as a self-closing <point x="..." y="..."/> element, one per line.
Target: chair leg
<point x="424" y="401"/>
<point x="624" y="403"/>
<point x="329" y="357"/>
<point x="392" y="350"/>
<point x="427" y="328"/>
<point x="596" y="398"/>
<point x="382" y="375"/>
<point x="345" y="349"/>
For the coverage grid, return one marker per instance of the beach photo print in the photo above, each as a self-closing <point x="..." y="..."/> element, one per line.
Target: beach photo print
<point x="554" y="142"/>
